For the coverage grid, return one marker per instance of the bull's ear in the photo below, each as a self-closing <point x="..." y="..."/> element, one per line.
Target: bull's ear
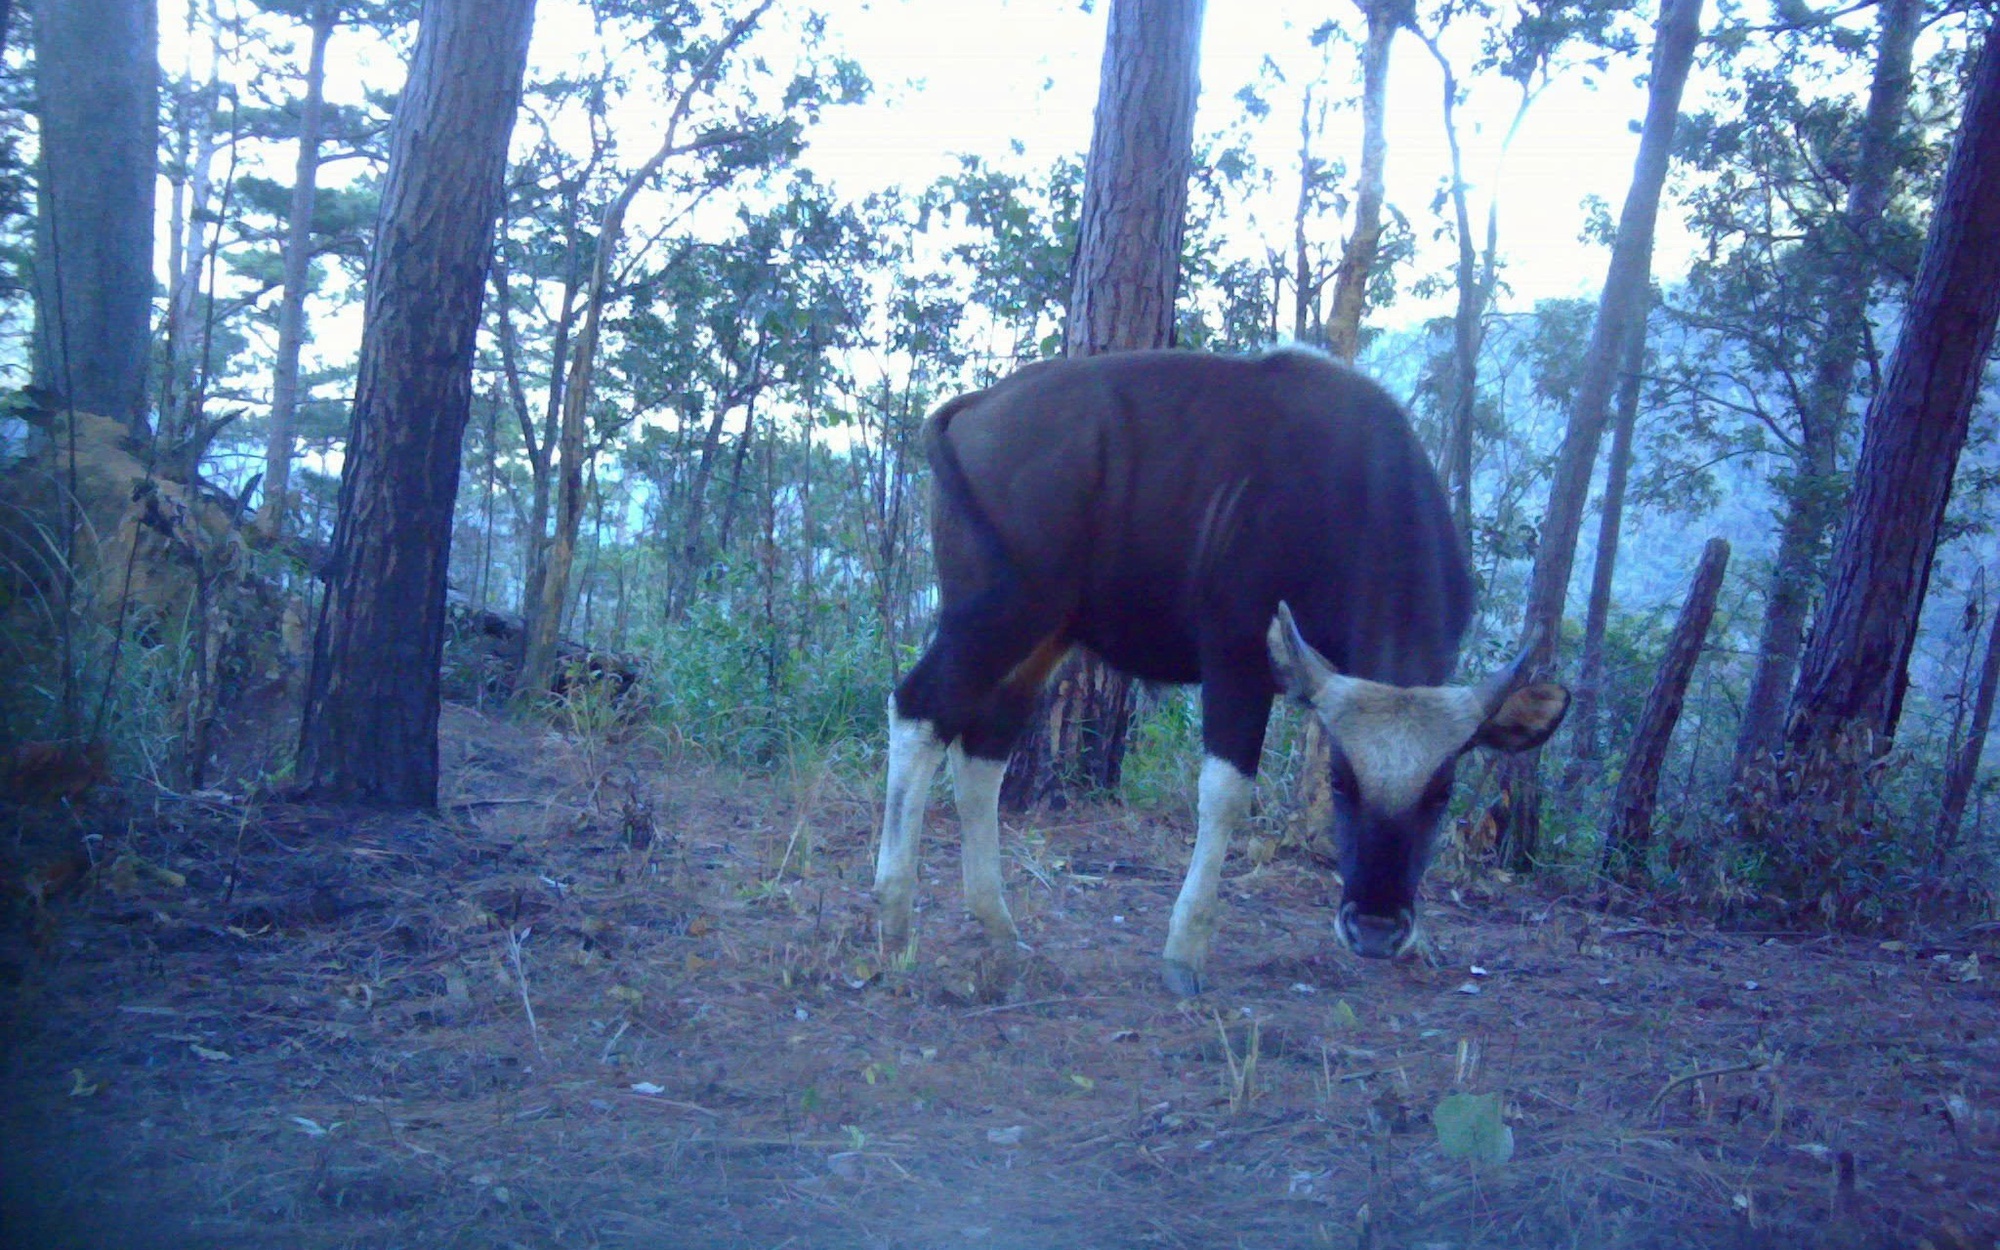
<point x="1301" y="671"/>
<point x="1525" y="718"/>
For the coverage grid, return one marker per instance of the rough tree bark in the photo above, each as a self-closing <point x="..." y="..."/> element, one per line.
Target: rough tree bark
<point x="1622" y="303"/>
<point x="1856" y="669"/>
<point x="1127" y="265"/>
<point x="538" y="663"/>
<point x="1126" y="276"/>
<point x="1812" y="503"/>
<point x="1631" y="831"/>
<point x="1586" y="717"/>
<point x="371" y="708"/>
<point x="97" y="76"/>
<point x="298" y="269"/>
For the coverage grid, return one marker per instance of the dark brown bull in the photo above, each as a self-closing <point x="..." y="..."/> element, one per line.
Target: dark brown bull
<point x="1254" y="525"/>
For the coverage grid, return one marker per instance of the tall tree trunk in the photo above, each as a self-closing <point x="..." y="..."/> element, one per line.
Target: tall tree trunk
<point x="878" y="476"/>
<point x="733" y="496"/>
<point x="1621" y="305"/>
<point x="1631" y="830"/>
<point x="544" y="616"/>
<point x="97" y="75"/>
<point x="1812" y="503"/>
<point x="767" y="568"/>
<point x="538" y="663"/>
<point x="693" y="552"/>
<point x="808" y="583"/>
<point x="1476" y="282"/>
<point x="191" y="251"/>
<point x="298" y="269"/>
<point x="1312" y="798"/>
<point x="1357" y="259"/>
<point x="482" y="595"/>
<point x="1127" y="264"/>
<point x="191" y="160"/>
<point x="1306" y="280"/>
<point x="1855" y="671"/>
<point x="1587" y="717"/>
<point x="371" y="709"/>
<point x="580" y="617"/>
<point x="1964" y="767"/>
<point x="539" y="448"/>
<point x="1464" y="389"/>
<point x="1125" y="277"/>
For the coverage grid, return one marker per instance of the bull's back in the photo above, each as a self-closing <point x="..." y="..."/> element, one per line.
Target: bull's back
<point x="1161" y="495"/>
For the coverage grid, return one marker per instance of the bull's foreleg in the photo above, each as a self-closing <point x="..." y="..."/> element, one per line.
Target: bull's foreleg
<point x="914" y="755"/>
<point x="976" y="784"/>
<point x="1225" y="800"/>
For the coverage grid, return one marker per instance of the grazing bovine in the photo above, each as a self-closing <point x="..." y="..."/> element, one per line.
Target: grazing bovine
<point x="1255" y="525"/>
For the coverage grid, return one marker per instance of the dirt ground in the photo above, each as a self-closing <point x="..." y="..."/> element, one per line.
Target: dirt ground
<point x="606" y="1001"/>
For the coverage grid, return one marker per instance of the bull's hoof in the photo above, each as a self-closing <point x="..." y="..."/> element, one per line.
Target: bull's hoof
<point x="1182" y="979"/>
<point x="896" y="945"/>
<point x="995" y="972"/>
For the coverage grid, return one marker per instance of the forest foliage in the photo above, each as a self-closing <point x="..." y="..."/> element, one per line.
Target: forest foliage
<point x="751" y="529"/>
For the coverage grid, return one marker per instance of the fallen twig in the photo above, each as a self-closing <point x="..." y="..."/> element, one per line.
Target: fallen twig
<point x="1039" y="1002"/>
<point x="514" y="941"/>
<point x="656" y="1100"/>
<point x="1750" y="1065"/>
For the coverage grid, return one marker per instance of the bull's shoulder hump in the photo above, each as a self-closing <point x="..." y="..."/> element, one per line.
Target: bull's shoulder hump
<point x="1052" y="398"/>
<point x="1306" y="382"/>
<point x="1294" y="363"/>
<point x="942" y="415"/>
<point x="1032" y="377"/>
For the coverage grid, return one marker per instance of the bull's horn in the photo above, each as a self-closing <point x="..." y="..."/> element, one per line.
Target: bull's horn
<point x="1501" y="682"/>
<point x="1289" y="650"/>
<point x="1301" y="672"/>
<point x="1288" y="628"/>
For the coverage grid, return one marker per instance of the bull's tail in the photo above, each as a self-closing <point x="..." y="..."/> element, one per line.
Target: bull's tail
<point x="954" y="495"/>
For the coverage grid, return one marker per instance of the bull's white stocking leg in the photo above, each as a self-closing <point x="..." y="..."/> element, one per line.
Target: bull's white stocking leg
<point x="976" y="783"/>
<point x="1225" y="800"/>
<point x="914" y="756"/>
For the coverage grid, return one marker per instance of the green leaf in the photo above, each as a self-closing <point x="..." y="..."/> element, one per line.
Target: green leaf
<point x="1469" y="1126"/>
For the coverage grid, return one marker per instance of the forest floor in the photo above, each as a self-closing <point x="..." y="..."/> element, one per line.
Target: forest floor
<point x="607" y="1000"/>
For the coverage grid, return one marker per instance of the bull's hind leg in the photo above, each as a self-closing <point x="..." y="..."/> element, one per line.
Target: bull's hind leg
<point x="976" y="787"/>
<point x="978" y="764"/>
<point x="1235" y="705"/>
<point x="973" y="689"/>
<point x="915" y="750"/>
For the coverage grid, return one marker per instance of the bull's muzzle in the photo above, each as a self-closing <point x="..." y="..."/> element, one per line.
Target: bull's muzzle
<point x="1375" y="937"/>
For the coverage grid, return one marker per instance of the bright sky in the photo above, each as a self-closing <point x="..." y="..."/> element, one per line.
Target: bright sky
<point x="980" y="76"/>
<point x="977" y="77"/>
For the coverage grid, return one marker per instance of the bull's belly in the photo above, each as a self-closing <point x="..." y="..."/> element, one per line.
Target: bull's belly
<point x="1153" y="646"/>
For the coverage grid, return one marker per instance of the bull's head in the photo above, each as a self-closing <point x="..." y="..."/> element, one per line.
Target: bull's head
<point x="1395" y="749"/>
